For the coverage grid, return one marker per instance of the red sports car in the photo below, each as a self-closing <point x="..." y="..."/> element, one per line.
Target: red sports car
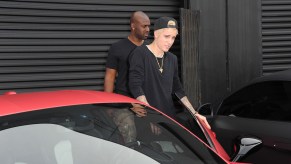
<point x="90" y="127"/>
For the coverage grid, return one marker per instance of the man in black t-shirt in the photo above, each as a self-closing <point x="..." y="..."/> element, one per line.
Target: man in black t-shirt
<point x="153" y="73"/>
<point x="117" y="61"/>
<point x="117" y="72"/>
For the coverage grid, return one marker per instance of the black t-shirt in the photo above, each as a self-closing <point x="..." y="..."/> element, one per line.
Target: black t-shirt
<point x="118" y="60"/>
<point x="146" y="79"/>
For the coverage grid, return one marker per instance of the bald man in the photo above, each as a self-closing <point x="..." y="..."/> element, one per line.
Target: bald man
<point x="117" y="61"/>
<point x="117" y="70"/>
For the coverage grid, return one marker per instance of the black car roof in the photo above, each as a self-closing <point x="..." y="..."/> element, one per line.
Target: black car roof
<point x="256" y="85"/>
<point x="277" y="76"/>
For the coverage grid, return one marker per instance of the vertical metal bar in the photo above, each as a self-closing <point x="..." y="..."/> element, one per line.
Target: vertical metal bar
<point x="190" y="54"/>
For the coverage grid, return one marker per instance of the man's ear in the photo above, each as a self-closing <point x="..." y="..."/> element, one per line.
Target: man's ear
<point x="157" y="33"/>
<point x="132" y="26"/>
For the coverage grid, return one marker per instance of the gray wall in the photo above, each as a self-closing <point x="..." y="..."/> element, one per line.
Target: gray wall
<point x="229" y="45"/>
<point x="244" y="27"/>
<point x="61" y="44"/>
<point x="276" y="35"/>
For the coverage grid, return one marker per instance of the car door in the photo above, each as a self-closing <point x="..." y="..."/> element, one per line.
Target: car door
<point x="263" y="110"/>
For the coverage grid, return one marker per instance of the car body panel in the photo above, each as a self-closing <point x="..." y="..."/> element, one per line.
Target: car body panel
<point x="276" y="144"/>
<point x="262" y="109"/>
<point x="217" y="146"/>
<point x="17" y="103"/>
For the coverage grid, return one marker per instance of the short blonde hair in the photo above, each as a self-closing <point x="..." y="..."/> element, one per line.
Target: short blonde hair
<point x="159" y="31"/>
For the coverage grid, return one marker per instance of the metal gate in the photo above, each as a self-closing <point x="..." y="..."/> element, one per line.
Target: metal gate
<point x="63" y="44"/>
<point x="276" y="35"/>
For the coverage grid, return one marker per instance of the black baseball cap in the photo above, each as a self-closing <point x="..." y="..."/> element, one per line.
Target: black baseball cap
<point x="165" y="22"/>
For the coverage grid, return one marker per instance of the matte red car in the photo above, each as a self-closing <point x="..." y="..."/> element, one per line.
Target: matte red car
<point x="90" y="127"/>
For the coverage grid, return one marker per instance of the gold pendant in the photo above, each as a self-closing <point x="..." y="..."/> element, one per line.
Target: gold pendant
<point x="161" y="70"/>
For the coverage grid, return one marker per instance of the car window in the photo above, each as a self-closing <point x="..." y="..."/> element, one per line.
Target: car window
<point x="110" y="130"/>
<point x="266" y="100"/>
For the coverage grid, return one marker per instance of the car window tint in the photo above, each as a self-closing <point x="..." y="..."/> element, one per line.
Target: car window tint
<point x="266" y="100"/>
<point x="154" y="135"/>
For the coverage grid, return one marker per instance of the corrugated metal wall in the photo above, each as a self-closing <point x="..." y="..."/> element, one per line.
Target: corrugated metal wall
<point x="63" y="44"/>
<point x="190" y="55"/>
<point x="276" y="35"/>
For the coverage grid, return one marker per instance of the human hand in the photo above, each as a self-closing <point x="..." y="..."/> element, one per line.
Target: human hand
<point x="139" y="110"/>
<point x="203" y="119"/>
<point x="155" y="129"/>
<point x="143" y="99"/>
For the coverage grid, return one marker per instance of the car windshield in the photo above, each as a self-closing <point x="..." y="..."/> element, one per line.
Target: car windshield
<point x="98" y="133"/>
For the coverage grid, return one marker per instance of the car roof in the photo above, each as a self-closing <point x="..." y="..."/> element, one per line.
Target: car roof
<point x="281" y="76"/>
<point x="277" y="76"/>
<point x="25" y="102"/>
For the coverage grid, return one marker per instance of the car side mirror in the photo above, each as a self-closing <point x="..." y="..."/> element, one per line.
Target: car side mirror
<point x="205" y="109"/>
<point x="245" y="145"/>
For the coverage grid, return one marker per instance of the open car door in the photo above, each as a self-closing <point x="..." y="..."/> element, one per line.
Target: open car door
<point x="242" y="147"/>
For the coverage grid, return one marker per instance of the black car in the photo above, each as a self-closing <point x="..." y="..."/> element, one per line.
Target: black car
<point x="261" y="109"/>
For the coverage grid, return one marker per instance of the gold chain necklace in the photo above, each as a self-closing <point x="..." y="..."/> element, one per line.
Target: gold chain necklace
<point x="160" y="66"/>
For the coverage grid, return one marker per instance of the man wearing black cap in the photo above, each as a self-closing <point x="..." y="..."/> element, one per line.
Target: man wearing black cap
<point x="153" y="73"/>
